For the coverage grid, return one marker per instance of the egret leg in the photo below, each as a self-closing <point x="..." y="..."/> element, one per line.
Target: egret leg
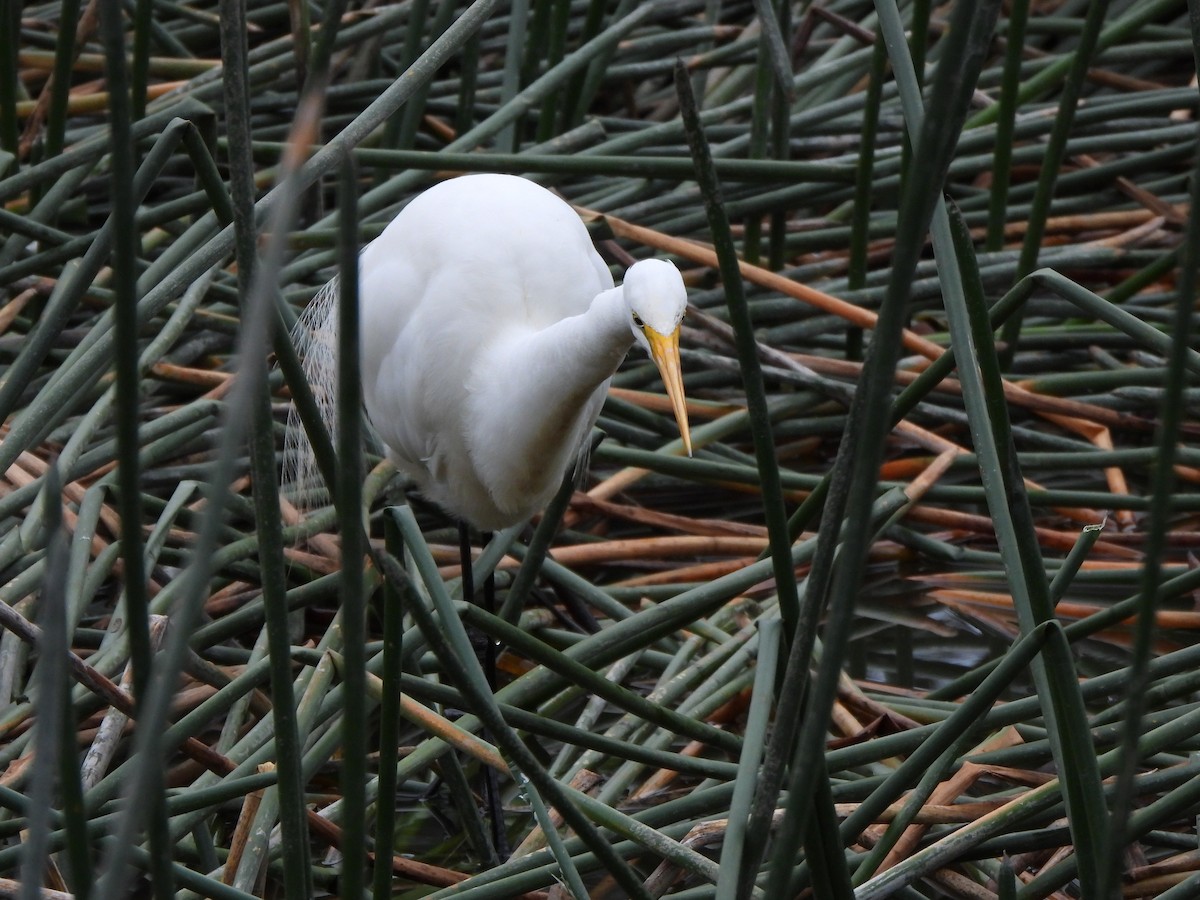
<point x="464" y="557"/>
<point x="489" y="605"/>
<point x="487" y="661"/>
<point x="485" y="650"/>
<point x="491" y="650"/>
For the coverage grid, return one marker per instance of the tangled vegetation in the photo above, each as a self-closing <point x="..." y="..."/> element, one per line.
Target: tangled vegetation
<point x="917" y="619"/>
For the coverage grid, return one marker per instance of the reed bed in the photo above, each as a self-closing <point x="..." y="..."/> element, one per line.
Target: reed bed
<point x="916" y="620"/>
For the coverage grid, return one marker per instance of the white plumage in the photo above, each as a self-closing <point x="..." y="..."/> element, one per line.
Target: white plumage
<point x="490" y="331"/>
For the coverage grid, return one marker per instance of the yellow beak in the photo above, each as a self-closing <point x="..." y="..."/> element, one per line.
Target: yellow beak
<point x="664" y="350"/>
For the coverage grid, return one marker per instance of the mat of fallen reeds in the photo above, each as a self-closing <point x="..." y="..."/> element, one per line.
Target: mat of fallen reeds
<point x="918" y="617"/>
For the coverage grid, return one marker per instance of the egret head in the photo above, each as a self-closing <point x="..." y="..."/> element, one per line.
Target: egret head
<point x="657" y="301"/>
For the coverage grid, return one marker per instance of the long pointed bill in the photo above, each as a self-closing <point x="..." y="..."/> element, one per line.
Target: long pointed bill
<point x="664" y="350"/>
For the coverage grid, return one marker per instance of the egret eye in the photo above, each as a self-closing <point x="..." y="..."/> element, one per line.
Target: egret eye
<point x="637" y="320"/>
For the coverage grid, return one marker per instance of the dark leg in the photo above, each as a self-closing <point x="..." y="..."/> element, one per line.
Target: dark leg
<point x="487" y="660"/>
<point x="489" y="605"/>
<point x="464" y="557"/>
<point x="485" y="649"/>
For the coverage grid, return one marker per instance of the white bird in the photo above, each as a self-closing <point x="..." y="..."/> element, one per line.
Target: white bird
<point x="490" y="329"/>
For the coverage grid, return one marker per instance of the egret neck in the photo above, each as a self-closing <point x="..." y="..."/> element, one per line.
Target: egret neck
<point x="554" y="382"/>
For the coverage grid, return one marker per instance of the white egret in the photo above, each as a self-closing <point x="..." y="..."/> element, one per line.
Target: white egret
<point x="490" y="331"/>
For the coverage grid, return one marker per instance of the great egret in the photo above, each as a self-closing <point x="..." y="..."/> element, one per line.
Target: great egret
<point x="490" y="331"/>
